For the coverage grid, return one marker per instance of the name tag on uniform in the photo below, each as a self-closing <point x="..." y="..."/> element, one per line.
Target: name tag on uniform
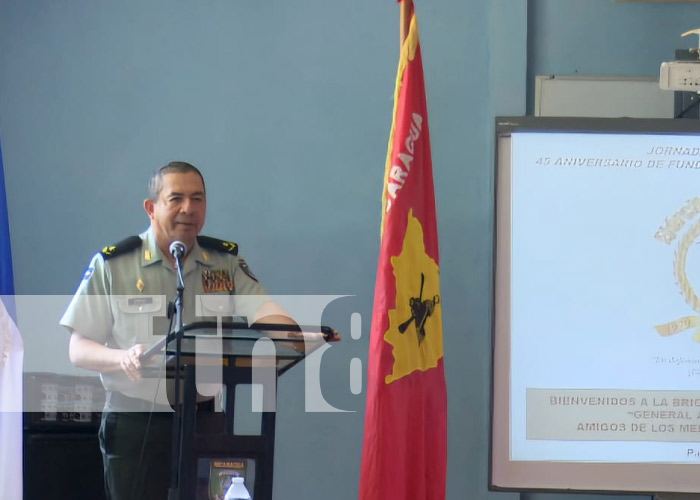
<point x="140" y="301"/>
<point x="217" y="280"/>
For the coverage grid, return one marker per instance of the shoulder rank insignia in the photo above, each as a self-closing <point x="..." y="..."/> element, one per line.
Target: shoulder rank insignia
<point x="122" y="247"/>
<point x="244" y="267"/>
<point x="218" y="245"/>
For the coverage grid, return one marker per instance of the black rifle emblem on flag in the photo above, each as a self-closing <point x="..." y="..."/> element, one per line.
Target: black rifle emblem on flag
<point x="421" y="310"/>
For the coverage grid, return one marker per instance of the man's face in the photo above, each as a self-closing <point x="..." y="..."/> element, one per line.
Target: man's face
<point x="179" y="211"/>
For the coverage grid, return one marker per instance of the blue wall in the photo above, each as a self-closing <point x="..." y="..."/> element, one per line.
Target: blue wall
<point x="601" y="37"/>
<point x="286" y="107"/>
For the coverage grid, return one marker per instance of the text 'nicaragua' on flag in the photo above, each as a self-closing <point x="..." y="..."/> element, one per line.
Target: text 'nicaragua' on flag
<point x="404" y="453"/>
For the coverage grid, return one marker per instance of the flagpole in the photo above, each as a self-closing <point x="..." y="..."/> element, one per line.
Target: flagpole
<point x="405" y="19"/>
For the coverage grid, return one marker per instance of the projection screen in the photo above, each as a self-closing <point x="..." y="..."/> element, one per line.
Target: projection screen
<point x="596" y="328"/>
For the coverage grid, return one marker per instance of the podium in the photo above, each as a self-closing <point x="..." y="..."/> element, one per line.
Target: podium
<point x="233" y="354"/>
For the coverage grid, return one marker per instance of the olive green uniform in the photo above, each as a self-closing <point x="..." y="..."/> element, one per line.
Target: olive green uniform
<point x="123" y="300"/>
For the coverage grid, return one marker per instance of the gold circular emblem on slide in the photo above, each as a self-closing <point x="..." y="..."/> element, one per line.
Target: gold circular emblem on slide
<point x="666" y="234"/>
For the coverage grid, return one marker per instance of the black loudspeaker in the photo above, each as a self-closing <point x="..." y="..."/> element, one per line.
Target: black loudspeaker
<point x="62" y="466"/>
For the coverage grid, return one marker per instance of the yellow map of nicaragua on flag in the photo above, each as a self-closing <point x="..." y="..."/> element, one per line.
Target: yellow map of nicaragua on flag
<point x="405" y="443"/>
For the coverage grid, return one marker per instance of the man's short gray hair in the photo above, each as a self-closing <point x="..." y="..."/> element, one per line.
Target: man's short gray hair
<point x="155" y="185"/>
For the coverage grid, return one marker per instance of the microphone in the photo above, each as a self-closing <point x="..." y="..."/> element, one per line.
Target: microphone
<point x="177" y="249"/>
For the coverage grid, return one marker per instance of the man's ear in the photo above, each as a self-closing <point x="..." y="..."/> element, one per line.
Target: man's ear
<point x="148" y="206"/>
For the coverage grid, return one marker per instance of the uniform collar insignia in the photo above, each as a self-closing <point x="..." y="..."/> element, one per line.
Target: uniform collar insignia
<point x="150" y="254"/>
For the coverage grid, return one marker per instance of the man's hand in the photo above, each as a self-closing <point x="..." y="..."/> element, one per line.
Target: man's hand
<point x="88" y="354"/>
<point x="131" y="362"/>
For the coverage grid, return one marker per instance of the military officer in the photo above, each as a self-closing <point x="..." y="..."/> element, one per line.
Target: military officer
<point x="120" y="308"/>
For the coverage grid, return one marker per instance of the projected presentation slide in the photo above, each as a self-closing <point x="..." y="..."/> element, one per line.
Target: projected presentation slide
<point x="605" y="313"/>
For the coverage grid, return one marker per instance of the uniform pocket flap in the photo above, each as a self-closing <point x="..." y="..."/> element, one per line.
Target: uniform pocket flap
<point x="216" y="305"/>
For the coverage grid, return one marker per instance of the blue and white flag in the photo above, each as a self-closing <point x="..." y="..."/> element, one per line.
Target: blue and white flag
<point x="11" y="361"/>
<point x="7" y="286"/>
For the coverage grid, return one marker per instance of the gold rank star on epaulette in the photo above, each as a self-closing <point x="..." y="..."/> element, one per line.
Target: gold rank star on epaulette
<point x="218" y="245"/>
<point x="122" y="247"/>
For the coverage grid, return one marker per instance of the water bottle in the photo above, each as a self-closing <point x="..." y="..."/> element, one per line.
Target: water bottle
<point x="237" y="490"/>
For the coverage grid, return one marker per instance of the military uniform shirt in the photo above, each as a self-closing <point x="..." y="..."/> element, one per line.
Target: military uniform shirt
<point x="123" y="300"/>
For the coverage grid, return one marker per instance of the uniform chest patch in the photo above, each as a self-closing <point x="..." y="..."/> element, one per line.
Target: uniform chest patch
<point x="217" y="280"/>
<point x="88" y="273"/>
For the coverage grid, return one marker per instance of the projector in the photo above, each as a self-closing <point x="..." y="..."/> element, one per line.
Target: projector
<point x="680" y="75"/>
